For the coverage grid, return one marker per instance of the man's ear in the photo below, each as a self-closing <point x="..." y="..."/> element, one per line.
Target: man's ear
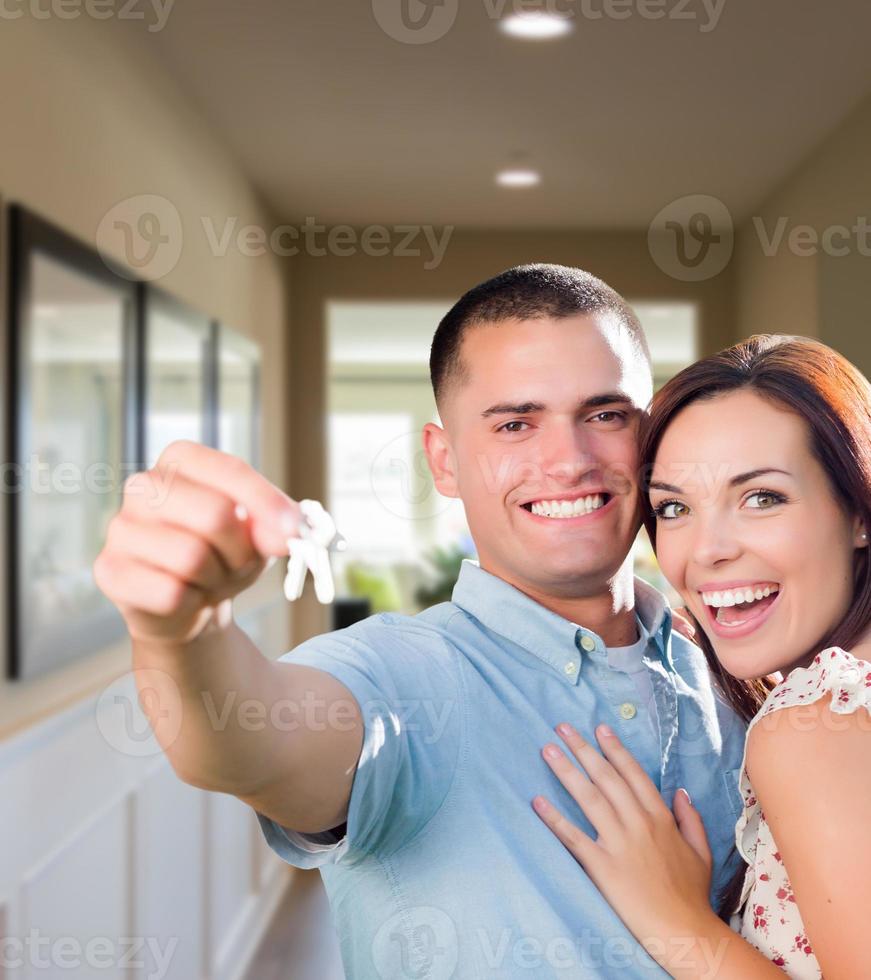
<point x="440" y="459"/>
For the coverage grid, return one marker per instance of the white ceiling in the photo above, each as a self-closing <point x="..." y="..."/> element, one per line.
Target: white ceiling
<point x="332" y="117"/>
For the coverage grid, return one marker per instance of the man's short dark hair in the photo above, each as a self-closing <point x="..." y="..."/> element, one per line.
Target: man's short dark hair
<point x="526" y="292"/>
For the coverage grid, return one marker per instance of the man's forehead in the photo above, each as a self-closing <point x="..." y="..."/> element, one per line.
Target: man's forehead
<point x="596" y="347"/>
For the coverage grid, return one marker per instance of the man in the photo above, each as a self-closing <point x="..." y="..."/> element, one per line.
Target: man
<point x="408" y="773"/>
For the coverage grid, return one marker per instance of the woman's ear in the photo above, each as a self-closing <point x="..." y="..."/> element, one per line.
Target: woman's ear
<point x="440" y="459"/>
<point x="860" y="533"/>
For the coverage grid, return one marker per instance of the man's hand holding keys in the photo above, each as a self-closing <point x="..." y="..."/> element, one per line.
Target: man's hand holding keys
<point x="192" y="533"/>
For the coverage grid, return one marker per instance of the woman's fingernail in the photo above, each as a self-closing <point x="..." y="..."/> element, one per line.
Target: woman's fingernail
<point x="551" y="751"/>
<point x="541" y="804"/>
<point x="605" y="730"/>
<point x="564" y="729"/>
<point x="687" y="795"/>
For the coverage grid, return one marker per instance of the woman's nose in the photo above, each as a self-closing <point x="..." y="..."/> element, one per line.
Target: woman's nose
<point x="715" y="541"/>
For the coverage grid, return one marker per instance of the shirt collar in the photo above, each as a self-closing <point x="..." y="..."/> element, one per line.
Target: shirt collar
<point x="512" y="614"/>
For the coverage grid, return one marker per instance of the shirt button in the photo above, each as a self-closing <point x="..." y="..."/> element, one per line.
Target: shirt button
<point x="627" y="710"/>
<point x="588" y="643"/>
<point x="570" y="667"/>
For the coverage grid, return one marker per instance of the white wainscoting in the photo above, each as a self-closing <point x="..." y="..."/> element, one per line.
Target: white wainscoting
<point x="111" y="867"/>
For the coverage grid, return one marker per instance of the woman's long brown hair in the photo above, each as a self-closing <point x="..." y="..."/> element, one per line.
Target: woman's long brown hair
<point x="834" y="400"/>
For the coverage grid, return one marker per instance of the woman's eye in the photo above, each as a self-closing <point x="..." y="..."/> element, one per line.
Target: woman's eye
<point x="668" y="510"/>
<point x="504" y="428"/>
<point x="766" y="499"/>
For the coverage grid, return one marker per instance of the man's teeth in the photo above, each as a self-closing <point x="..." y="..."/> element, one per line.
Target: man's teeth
<point x="568" y="508"/>
<point x="734" y="597"/>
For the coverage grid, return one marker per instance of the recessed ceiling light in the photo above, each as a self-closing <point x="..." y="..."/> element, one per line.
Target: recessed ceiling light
<point x="536" y="25"/>
<point x="518" y="178"/>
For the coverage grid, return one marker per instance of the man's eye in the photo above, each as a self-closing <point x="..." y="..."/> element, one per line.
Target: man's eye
<point x="610" y="416"/>
<point x="504" y="428"/>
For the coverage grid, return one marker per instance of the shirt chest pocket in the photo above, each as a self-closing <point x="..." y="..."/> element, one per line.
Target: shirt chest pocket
<point x="733" y="793"/>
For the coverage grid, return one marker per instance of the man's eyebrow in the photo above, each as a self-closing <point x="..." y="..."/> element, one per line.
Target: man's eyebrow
<point x="734" y="482"/>
<point x="526" y="408"/>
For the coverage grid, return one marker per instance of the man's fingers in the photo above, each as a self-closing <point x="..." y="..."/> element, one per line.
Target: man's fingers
<point x="149" y="591"/>
<point x="273" y="516"/>
<point x="199" y="510"/>
<point x="170" y="549"/>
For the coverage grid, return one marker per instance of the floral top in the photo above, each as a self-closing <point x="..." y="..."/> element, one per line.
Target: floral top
<point x="771" y="921"/>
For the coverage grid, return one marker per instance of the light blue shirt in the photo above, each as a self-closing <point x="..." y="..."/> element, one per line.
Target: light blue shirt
<point x="445" y="869"/>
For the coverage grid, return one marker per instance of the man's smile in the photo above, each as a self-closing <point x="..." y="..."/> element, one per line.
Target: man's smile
<point x="568" y="507"/>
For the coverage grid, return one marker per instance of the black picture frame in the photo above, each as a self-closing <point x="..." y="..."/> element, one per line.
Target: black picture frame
<point x="170" y="322"/>
<point x="83" y="620"/>
<point x="238" y="362"/>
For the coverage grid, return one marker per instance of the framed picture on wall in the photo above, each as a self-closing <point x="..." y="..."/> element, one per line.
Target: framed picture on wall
<point x="72" y="437"/>
<point x="238" y="394"/>
<point x="178" y="380"/>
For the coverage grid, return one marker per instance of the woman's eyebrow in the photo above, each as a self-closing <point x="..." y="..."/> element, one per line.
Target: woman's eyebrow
<point x="734" y="482"/>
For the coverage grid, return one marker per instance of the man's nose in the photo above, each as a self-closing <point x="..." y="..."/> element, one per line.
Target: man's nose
<point x="568" y="455"/>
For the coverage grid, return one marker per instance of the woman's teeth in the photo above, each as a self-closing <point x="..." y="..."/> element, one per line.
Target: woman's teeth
<point x="568" y="508"/>
<point x="746" y="599"/>
<point x="734" y="597"/>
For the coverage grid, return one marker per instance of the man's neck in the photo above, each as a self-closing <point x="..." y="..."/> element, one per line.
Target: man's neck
<point x="609" y="612"/>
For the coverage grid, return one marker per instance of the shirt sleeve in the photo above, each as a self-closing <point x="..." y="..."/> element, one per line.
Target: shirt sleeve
<point x="405" y="678"/>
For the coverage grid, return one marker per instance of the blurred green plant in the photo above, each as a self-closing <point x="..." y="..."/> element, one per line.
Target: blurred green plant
<point x="445" y="564"/>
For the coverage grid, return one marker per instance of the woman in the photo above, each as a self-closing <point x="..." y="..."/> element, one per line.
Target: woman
<point x="759" y="508"/>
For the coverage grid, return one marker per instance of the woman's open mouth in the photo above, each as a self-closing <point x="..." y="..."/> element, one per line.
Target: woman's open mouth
<point x="739" y="610"/>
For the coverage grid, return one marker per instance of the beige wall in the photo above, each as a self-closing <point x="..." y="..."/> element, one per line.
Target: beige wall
<point x="822" y="295"/>
<point x="620" y="258"/>
<point x="89" y="118"/>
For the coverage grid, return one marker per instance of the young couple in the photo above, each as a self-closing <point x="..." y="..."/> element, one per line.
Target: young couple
<point x="542" y="778"/>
